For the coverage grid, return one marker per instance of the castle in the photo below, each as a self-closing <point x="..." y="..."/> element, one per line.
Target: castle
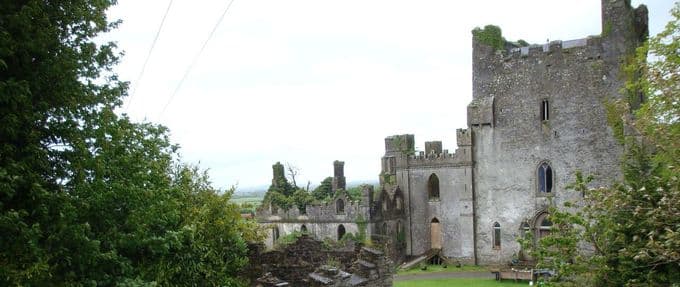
<point x="538" y="115"/>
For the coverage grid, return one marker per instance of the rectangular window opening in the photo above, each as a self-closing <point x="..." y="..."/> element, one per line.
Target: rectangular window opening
<point x="545" y="110"/>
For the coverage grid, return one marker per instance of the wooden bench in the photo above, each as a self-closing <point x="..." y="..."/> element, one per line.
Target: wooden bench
<point x="514" y="274"/>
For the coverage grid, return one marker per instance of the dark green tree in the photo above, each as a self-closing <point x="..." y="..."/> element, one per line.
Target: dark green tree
<point x="325" y="190"/>
<point x="86" y="196"/>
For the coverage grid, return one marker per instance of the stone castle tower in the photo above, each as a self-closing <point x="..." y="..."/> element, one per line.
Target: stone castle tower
<point x="538" y="114"/>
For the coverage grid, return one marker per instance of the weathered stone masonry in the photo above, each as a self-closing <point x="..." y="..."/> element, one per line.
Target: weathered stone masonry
<point x="538" y="115"/>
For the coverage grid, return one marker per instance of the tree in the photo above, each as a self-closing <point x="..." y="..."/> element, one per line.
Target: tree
<point x="633" y="227"/>
<point x="293" y="171"/>
<point x="86" y="196"/>
<point x="325" y="190"/>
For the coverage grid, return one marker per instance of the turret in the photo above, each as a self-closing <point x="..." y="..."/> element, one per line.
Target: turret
<point x="338" y="176"/>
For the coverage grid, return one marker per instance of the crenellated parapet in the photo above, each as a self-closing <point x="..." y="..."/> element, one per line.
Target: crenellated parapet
<point x="434" y="154"/>
<point x="495" y="68"/>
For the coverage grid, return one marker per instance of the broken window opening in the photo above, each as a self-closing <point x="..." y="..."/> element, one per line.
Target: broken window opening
<point x="340" y="206"/>
<point x="433" y="187"/>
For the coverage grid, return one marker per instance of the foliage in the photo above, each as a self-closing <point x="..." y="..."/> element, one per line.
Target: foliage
<point x="325" y="190"/>
<point x="362" y="226"/>
<point x="633" y="227"/>
<point x="86" y="196"/>
<point x="356" y="192"/>
<point x="491" y="36"/>
<point x="302" y="198"/>
<point x="288" y="239"/>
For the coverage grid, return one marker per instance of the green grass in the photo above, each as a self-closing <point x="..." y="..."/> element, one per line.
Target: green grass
<point x="440" y="268"/>
<point x="453" y="282"/>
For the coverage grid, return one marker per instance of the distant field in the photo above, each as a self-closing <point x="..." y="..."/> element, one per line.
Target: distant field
<point x="255" y="200"/>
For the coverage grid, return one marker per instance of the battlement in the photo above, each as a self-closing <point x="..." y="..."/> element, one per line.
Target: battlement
<point x="435" y="155"/>
<point x="552" y="47"/>
<point x="623" y="29"/>
<point x="396" y="144"/>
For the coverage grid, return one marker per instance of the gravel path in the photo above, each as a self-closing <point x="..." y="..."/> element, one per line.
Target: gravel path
<point x="438" y="275"/>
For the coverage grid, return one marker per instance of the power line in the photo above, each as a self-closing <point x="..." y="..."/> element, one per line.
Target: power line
<point x="153" y="44"/>
<point x="198" y="55"/>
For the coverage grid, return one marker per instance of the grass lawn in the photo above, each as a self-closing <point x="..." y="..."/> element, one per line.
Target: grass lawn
<point x="453" y="282"/>
<point x="439" y="268"/>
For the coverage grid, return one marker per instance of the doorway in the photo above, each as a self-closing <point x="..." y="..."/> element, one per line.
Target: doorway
<point x="435" y="234"/>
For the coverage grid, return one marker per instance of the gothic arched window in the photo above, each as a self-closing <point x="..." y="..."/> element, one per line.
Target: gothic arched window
<point x="545" y="178"/>
<point x="433" y="187"/>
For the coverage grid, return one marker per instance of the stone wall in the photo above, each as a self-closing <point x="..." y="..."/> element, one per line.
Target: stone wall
<point x="511" y="136"/>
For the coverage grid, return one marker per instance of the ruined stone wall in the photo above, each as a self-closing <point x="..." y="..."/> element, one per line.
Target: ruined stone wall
<point x="511" y="138"/>
<point x="296" y="261"/>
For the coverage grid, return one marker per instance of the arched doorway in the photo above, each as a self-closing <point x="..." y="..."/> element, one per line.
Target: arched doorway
<point x="435" y="234"/>
<point x="341" y="231"/>
<point x="303" y="229"/>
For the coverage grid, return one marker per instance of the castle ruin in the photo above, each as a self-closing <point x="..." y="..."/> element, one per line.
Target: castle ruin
<point x="538" y="115"/>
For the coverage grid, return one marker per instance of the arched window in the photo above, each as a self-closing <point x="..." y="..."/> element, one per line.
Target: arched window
<point x="433" y="187"/>
<point x="341" y="231"/>
<point x="496" y="235"/>
<point x="545" y="178"/>
<point x="384" y="228"/>
<point x="303" y="229"/>
<point x="400" y="228"/>
<point x="543" y="226"/>
<point x="339" y="206"/>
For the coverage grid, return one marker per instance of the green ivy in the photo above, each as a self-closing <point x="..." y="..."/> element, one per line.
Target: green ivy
<point x="491" y="35"/>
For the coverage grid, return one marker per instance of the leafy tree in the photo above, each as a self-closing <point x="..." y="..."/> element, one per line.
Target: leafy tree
<point x="324" y="190"/>
<point x="86" y="196"/>
<point x="633" y="228"/>
<point x="302" y="198"/>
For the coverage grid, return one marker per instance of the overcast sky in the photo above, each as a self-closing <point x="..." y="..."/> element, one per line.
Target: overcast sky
<point x="309" y="82"/>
